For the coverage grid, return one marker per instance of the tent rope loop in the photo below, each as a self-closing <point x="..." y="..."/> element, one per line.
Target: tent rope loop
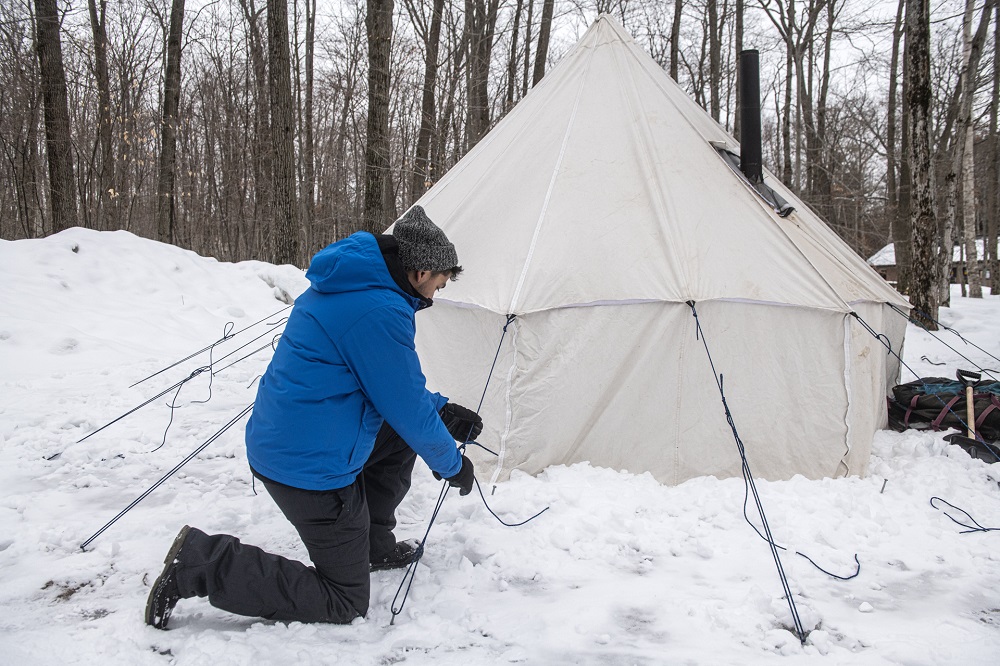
<point x="749" y="481"/>
<point x="927" y="317"/>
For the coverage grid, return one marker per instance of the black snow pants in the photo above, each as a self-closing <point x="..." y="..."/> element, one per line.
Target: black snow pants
<point x="342" y="529"/>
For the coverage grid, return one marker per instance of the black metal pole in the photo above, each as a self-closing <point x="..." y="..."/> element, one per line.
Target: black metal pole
<point x="246" y="410"/>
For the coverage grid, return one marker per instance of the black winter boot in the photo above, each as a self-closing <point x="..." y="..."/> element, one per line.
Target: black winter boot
<point x="165" y="593"/>
<point x="398" y="557"/>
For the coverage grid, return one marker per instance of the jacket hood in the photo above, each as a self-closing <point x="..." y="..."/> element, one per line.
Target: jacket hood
<point x="355" y="263"/>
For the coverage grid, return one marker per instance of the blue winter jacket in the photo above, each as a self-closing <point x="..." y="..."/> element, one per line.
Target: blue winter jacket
<point x="345" y="362"/>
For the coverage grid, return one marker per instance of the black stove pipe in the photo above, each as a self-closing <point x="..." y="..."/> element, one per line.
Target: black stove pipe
<point x="750" y="140"/>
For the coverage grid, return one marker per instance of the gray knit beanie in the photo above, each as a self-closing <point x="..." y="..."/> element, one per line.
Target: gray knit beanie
<point x="422" y="244"/>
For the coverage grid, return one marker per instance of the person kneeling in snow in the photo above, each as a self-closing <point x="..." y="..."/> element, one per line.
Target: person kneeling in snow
<point x="341" y="413"/>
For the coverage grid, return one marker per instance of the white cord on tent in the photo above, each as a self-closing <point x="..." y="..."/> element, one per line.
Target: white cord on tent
<point x="508" y="403"/>
<point x="847" y="386"/>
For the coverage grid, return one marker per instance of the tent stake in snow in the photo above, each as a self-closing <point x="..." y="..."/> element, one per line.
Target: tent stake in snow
<point x="246" y="410"/>
<point x="700" y="334"/>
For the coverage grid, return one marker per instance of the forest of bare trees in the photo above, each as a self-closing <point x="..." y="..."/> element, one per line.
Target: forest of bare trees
<point x="267" y="128"/>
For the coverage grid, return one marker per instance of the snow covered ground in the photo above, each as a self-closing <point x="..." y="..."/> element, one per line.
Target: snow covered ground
<point x="620" y="570"/>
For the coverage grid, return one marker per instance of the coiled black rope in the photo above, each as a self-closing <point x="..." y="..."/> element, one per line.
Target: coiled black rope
<point x="499" y="519"/>
<point x="969" y="529"/>
<point x="927" y="317"/>
<point x="748" y="479"/>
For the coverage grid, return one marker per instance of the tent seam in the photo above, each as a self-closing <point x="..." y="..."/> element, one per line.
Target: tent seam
<point x="552" y="184"/>
<point x="644" y="301"/>
<point x="640" y="131"/>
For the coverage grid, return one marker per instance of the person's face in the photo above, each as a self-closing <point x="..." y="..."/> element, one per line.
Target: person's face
<point x="428" y="283"/>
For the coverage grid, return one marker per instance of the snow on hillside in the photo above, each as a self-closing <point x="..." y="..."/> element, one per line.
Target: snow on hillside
<point x="620" y="570"/>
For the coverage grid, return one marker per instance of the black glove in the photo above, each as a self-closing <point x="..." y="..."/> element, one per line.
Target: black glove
<point x="463" y="424"/>
<point x="464" y="479"/>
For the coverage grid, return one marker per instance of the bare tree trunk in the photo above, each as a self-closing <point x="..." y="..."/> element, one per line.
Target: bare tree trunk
<point x="512" y="62"/>
<point x="165" y="200"/>
<point x="480" y="23"/>
<point x="923" y="282"/>
<point x="58" y="142"/>
<point x="899" y="220"/>
<point x="675" y="38"/>
<point x="378" y="21"/>
<point x="714" y="58"/>
<point x="994" y="180"/>
<point x="738" y="42"/>
<point x="968" y="157"/>
<point x="285" y="227"/>
<point x="542" y="52"/>
<point x="965" y="91"/>
<point x="786" y="119"/>
<point x="423" y="174"/>
<point x="309" y="148"/>
<point x="945" y="257"/>
<point x="819" y="159"/>
<point x="260" y="148"/>
<point x="527" y="49"/>
<point x="106" y="174"/>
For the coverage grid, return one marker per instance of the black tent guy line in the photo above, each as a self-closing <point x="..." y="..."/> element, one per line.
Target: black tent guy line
<point x="276" y="324"/>
<point x="226" y="336"/>
<point x="177" y="386"/>
<point x="888" y="345"/>
<point x="407" y="582"/>
<point x="919" y="323"/>
<point x="885" y="342"/>
<point x="748" y="478"/>
<point x="246" y="410"/>
<point x="272" y="344"/>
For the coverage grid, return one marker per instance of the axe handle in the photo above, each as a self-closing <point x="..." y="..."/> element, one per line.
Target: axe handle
<point x="970" y="412"/>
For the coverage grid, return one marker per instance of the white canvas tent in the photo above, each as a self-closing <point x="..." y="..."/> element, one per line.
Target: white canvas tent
<point x="594" y="212"/>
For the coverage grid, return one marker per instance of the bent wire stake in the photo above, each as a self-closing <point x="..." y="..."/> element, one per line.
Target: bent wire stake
<point x="246" y="410"/>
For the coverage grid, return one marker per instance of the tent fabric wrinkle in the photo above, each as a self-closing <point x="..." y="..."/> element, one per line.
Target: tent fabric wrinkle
<point x="595" y="211"/>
